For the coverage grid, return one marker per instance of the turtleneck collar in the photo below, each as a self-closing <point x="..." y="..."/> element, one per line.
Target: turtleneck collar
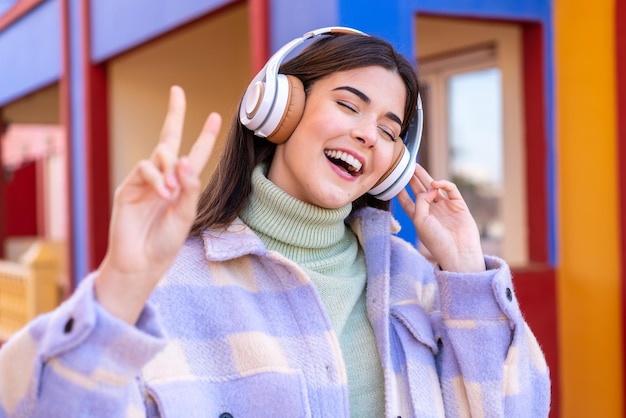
<point x="302" y="232"/>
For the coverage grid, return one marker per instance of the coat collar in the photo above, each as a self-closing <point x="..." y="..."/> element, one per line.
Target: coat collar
<point x="237" y="239"/>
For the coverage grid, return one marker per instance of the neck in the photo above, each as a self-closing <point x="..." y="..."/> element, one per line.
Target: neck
<point x="302" y="232"/>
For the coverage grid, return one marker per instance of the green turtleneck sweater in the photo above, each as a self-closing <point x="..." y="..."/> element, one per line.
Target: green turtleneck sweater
<point x="327" y="249"/>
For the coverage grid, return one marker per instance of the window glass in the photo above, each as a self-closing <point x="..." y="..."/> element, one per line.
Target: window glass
<point x="475" y="148"/>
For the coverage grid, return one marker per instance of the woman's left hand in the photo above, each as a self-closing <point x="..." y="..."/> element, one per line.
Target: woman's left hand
<point x="443" y="222"/>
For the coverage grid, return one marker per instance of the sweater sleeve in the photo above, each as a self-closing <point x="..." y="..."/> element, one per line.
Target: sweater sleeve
<point x="78" y="360"/>
<point x="490" y="363"/>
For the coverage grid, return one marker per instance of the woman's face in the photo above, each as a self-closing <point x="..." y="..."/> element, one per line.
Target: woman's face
<point x="344" y="142"/>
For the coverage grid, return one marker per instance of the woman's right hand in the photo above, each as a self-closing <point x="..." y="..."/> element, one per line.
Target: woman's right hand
<point x="153" y="210"/>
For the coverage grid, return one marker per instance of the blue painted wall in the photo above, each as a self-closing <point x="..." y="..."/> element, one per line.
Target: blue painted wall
<point x="393" y="21"/>
<point x="30" y="52"/>
<point x="77" y="142"/>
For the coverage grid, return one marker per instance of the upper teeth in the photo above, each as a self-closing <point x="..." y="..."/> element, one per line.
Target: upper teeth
<point x="353" y="163"/>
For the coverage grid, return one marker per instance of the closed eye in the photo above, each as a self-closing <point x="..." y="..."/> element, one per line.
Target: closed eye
<point x="347" y="106"/>
<point x="387" y="133"/>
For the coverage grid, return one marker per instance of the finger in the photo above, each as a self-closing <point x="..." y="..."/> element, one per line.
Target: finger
<point x="422" y="204"/>
<point x="190" y="189"/>
<point x="430" y="196"/>
<point x="202" y="148"/>
<point x="406" y="203"/>
<point x="418" y="208"/>
<point x="165" y="160"/>
<point x="440" y="194"/>
<point x="423" y="176"/>
<point x="172" y="130"/>
<point x="416" y="185"/>
<point x="151" y="175"/>
<point x="450" y="189"/>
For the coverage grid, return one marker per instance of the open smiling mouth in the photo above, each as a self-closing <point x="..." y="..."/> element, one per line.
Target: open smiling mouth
<point x="345" y="161"/>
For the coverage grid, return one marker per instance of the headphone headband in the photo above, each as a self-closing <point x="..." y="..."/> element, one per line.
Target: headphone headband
<point x="262" y="92"/>
<point x="273" y="105"/>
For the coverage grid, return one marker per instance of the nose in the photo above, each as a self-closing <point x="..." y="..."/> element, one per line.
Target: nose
<point x="366" y="132"/>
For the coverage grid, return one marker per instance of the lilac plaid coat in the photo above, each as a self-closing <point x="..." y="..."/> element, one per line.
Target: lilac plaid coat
<point x="234" y="330"/>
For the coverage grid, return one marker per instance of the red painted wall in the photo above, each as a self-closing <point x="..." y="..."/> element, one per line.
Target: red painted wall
<point x="536" y="283"/>
<point x="535" y="290"/>
<point x="21" y="202"/>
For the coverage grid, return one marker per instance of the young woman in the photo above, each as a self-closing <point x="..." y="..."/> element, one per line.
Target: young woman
<point x="291" y="296"/>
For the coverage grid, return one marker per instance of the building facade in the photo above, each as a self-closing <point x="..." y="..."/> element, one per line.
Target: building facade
<point x="542" y="83"/>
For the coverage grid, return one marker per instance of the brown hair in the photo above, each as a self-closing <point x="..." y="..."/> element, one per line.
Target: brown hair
<point x="229" y="188"/>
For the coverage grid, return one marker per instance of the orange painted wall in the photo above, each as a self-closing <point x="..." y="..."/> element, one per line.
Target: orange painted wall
<point x="588" y="272"/>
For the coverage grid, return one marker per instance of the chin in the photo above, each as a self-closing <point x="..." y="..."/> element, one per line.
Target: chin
<point x="334" y="202"/>
<point x="336" y="206"/>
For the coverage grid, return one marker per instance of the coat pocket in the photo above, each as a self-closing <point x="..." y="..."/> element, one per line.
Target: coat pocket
<point x="417" y="350"/>
<point x="260" y="394"/>
<point x="418" y="323"/>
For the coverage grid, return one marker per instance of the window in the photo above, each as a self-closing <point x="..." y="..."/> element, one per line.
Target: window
<point x="471" y="82"/>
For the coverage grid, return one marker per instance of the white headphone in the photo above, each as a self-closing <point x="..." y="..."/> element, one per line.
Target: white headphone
<point x="273" y="105"/>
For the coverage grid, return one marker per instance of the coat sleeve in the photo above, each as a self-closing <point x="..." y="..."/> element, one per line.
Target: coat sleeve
<point x="77" y="361"/>
<point x="489" y="361"/>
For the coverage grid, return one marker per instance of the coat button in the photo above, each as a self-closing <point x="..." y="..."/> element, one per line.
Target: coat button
<point x="509" y="294"/>
<point x="68" y="326"/>
<point x="226" y="415"/>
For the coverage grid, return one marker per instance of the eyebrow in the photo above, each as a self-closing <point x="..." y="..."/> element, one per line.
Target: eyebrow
<point x="367" y="100"/>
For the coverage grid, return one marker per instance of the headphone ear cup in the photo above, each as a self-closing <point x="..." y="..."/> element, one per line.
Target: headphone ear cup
<point x="396" y="177"/>
<point x="395" y="169"/>
<point x="292" y="113"/>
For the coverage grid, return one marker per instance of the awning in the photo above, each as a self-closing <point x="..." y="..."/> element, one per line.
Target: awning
<point x="22" y="143"/>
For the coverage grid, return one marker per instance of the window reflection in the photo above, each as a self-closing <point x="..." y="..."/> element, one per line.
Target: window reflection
<point x="476" y="149"/>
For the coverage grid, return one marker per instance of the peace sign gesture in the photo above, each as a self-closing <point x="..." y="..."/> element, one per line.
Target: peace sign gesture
<point x="443" y="222"/>
<point x="153" y="210"/>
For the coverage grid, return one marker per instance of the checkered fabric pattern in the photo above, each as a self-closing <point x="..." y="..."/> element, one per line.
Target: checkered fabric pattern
<point x="236" y="329"/>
